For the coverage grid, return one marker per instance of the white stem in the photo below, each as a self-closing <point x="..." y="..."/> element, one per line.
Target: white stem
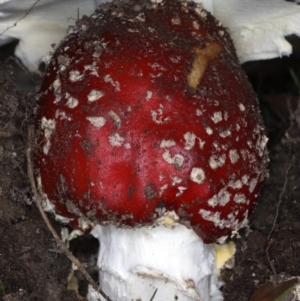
<point x="133" y="263"/>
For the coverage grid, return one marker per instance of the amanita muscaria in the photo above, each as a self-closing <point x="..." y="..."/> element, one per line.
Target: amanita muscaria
<point x="150" y="132"/>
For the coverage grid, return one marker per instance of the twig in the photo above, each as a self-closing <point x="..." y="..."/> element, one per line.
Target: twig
<point x="152" y="298"/>
<point x="270" y="240"/>
<point x="23" y="17"/>
<point x="78" y="16"/>
<point x="280" y="199"/>
<point x="38" y="201"/>
<point x="271" y="262"/>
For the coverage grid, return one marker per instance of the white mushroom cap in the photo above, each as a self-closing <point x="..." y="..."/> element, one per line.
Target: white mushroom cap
<point x="258" y="28"/>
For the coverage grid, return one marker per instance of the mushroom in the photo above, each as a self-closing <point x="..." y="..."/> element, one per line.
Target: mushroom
<point x="150" y="134"/>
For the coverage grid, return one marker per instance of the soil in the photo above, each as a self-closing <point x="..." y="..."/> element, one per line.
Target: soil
<point x="33" y="268"/>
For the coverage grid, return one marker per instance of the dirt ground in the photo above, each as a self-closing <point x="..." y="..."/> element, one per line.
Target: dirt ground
<point x="31" y="266"/>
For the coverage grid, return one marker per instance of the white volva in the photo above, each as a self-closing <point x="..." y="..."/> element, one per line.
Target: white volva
<point x="168" y="258"/>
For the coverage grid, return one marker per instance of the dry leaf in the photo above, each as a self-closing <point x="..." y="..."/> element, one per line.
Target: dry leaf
<point x="272" y="292"/>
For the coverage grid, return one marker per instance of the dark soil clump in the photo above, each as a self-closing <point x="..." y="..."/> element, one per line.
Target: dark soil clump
<point x="31" y="266"/>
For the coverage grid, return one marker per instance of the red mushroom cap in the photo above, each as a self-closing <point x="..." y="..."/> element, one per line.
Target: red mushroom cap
<point x="145" y="109"/>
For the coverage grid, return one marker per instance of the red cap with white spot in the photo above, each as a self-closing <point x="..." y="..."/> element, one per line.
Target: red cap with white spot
<point x="144" y="109"/>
